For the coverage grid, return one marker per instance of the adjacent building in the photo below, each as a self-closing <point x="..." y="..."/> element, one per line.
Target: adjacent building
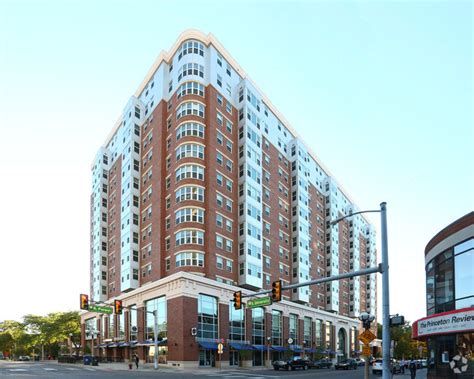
<point x="448" y="328"/>
<point x="203" y="188"/>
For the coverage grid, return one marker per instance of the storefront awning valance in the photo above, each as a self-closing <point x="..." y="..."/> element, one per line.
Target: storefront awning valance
<point x="208" y="345"/>
<point x="240" y="346"/>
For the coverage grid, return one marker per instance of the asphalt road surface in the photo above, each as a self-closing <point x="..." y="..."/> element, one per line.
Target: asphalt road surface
<point x="53" y="370"/>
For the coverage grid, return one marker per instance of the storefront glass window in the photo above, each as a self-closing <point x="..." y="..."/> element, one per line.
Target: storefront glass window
<point x="158" y="304"/>
<point x="318" y="334"/>
<point x="293" y="332"/>
<point x="207" y="317"/>
<point x="464" y="269"/>
<point x="133" y="324"/>
<point x="236" y="323"/>
<point x="307" y="331"/>
<point x="276" y="328"/>
<point x="444" y="286"/>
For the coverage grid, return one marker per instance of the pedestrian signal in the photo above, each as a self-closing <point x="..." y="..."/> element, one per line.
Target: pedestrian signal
<point x="276" y="290"/>
<point x="237" y="300"/>
<point x="118" y="307"/>
<point x="84" y="301"/>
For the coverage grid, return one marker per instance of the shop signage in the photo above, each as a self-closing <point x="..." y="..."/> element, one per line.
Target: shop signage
<point x="459" y="321"/>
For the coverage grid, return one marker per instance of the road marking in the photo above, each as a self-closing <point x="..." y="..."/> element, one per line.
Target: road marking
<point x="17" y="369"/>
<point x="49" y="369"/>
<point x="72" y="369"/>
<point x="89" y="369"/>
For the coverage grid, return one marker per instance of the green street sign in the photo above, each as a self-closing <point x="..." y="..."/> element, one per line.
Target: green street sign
<point x="100" y="309"/>
<point x="259" y="302"/>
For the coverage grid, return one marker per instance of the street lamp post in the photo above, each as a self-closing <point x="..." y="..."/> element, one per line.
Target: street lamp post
<point x="366" y="320"/>
<point x="385" y="286"/>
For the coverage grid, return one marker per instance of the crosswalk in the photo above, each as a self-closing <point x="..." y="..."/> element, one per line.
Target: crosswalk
<point x="48" y="369"/>
<point x="237" y="374"/>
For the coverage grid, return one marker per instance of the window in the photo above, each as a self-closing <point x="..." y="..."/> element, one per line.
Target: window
<point x="293" y="330"/>
<point x="190" y="88"/>
<point x="190" y="47"/>
<point x="207" y="317"/>
<point x="219" y="80"/>
<point x="184" y="237"/>
<point x="219" y="241"/>
<point x="190" y="258"/>
<point x="254" y="251"/>
<point x="189" y="193"/>
<point x="254" y="270"/>
<point x="219" y="221"/>
<point x="189" y="172"/>
<point x="190" y="108"/>
<point x="158" y="305"/>
<point x="220" y="100"/>
<point x="258" y="326"/>
<point x="236" y="323"/>
<point x="190" y="129"/>
<point x="191" y="69"/>
<point x="189" y="215"/>
<point x="219" y="262"/>
<point x="190" y="150"/>
<point x="277" y="327"/>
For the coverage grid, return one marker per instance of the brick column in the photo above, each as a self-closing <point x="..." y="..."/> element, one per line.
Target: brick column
<point x="181" y="317"/>
<point x="268" y="334"/>
<point x="224" y="333"/>
<point x="141" y="350"/>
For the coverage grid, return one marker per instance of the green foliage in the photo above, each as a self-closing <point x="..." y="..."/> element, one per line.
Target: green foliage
<point x="21" y="338"/>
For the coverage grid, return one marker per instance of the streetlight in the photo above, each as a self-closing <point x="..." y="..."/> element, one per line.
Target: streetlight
<point x="385" y="286"/>
<point x="366" y="320"/>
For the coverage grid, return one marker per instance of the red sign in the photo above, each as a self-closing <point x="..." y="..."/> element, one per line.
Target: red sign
<point x="458" y="321"/>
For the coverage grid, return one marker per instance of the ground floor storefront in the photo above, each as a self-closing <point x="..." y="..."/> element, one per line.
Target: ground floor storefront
<point x="197" y="326"/>
<point x="450" y="341"/>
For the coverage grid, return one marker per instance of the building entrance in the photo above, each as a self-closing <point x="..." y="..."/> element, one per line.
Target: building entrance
<point x="207" y="358"/>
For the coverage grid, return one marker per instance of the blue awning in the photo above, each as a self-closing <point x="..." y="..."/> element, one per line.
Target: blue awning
<point x="112" y="345"/>
<point x="102" y="345"/>
<point x="260" y="347"/>
<point x="123" y="344"/>
<point x="208" y="345"/>
<point x="278" y="348"/>
<point x="240" y="346"/>
<point x="310" y="350"/>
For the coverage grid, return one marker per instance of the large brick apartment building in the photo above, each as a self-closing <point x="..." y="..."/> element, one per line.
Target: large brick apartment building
<point x="202" y="188"/>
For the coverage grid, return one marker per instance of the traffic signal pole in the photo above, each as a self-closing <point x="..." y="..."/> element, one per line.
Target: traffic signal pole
<point x="350" y="274"/>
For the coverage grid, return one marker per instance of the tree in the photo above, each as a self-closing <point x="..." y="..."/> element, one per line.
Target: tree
<point x="49" y="332"/>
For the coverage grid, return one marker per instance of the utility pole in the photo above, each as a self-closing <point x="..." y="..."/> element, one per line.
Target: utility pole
<point x="385" y="295"/>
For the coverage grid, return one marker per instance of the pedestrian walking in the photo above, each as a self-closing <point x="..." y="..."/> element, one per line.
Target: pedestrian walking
<point x="412" y="367"/>
<point x="136" y="359"/>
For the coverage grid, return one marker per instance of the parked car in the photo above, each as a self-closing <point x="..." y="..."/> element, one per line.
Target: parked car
<point x="360" y="361"/>
<point x="424" y="363"/>
<point x="377" y="367"/>
<point x="24" y="358"/>
<point x="293" y="364"/>
<point x="346" y="364"/>
<point x="322" y="363"/>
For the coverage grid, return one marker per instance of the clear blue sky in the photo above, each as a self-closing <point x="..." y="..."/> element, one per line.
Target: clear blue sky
<point x="382" y="91"/>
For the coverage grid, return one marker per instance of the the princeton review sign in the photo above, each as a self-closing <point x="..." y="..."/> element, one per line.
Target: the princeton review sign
<point x="458" y="321"/>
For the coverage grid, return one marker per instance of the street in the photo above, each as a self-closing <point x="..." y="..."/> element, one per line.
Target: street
<point x="48" y="369"/>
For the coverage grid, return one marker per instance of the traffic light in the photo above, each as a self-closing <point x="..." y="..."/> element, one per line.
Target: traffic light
<point x="84" y="300"/>
<point x="118" y="307"/>
<point x="238" y="300"/>
<point x="276" y="290"/>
